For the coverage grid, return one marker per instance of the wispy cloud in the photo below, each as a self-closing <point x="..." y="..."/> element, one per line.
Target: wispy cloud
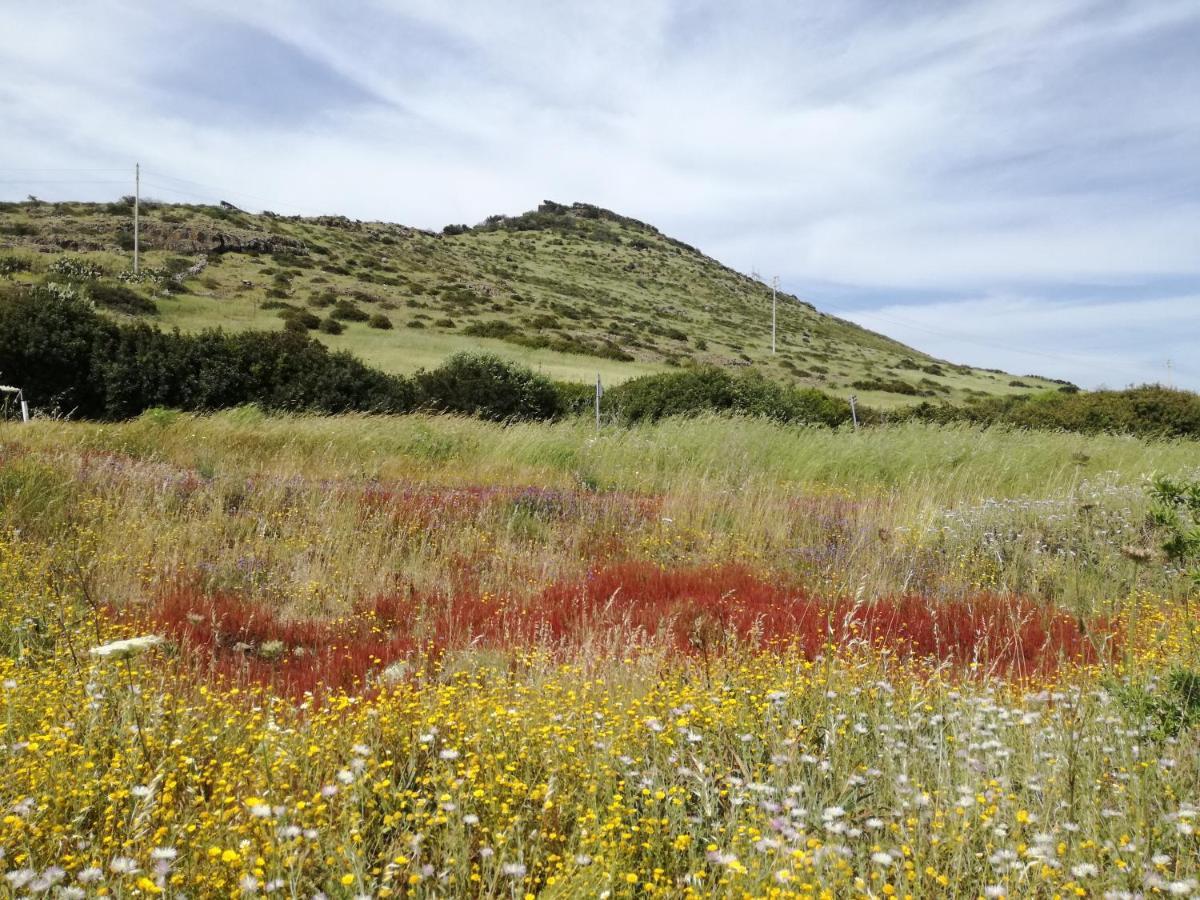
<point x="993" y="169"/>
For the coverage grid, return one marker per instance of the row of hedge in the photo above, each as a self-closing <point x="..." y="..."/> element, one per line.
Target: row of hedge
<point x="1146" y="411"/>
<point x="72" y="360"/>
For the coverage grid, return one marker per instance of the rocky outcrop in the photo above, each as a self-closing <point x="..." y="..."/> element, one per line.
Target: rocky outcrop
<point x="191" y="239"/>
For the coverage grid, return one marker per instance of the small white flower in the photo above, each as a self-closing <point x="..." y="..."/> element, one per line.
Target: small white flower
<point x="164" y="854"/>
<point x="18" y="878"/>
<point x="513" y="870"/>
<point x="882" y="859"/>
<point x="1085" y="870"/>
<point x="470" y="819"/>
<point x="89" y="875"/>
<point x="448" y="753"/>
<point x="123" y="865"/>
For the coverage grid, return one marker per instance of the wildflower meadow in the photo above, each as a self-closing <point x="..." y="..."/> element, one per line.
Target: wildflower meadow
<point x="417" y="656"/>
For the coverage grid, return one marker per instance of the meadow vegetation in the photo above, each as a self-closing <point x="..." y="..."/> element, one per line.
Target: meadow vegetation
<point x="430" y="655"/>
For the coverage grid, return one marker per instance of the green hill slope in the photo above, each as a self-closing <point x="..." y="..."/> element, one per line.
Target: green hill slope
<point x="571" y="290"/>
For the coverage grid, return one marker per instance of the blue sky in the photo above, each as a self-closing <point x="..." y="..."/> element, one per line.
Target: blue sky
<point x="1008" y="184"/>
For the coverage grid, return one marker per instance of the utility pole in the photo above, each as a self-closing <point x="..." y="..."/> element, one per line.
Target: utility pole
<point x="774" y="291"/>
<point x="1169" y="378"/>
<point x="854" y="410"/>
<point x="137" y="196"/>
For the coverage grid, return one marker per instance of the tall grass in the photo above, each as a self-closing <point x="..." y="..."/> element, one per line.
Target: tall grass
<point x="943" y="463"/>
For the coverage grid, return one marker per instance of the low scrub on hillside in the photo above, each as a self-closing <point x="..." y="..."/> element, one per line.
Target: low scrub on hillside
<point x="709" y="389"/>
<point x="1150" y="410"/>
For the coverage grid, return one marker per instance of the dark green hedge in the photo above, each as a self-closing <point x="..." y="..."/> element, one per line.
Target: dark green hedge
<point x="709" y="389"/>
<point x="1148" y="411"/>
<point x="67" y="357"/>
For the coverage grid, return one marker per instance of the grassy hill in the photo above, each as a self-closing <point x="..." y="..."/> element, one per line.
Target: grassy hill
<point x="569" y="290"/>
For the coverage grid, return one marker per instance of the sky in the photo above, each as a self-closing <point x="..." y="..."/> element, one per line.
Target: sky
<point x="1005" y="184"/>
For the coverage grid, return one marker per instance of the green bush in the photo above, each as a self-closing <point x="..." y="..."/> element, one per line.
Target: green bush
<point x="349" y="311"/>
<point x="709" y="389"/>
<point x="300" y="319"/>
<point x="120" y="298"/>
<point x="331" y="326"/>
<point x="68" y="358"/>
<point x="890" y="386"/>
<point x="575" y="398"/>
<point x="1148" y="411"/>
<point x="379" y="320"/>
<point x="11" y="265"/>
<point x="76" y="268"/>
<point x="489" y="387"/>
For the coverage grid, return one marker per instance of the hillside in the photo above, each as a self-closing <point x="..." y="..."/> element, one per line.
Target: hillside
<point x="570" y="290"/>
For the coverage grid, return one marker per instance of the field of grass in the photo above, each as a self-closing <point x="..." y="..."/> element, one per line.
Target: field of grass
<point x="596" y="291"/>
<point x="427" y="656"/>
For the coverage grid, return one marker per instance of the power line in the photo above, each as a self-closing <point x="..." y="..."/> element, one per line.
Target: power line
<point x="40" y="181"/>
<point x="214" y="191"/>
<point x="58" y="169"/>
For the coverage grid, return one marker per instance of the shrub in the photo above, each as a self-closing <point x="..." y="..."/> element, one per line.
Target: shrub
<point x="48" y="344"/>
<point x="349" y="311"/>
<point x="10" y="265"/>
<point x="890" y="386"/>
<point x="75" y="268"/>
<point x="120" y="298"/>
<point x="575" y="398"/>
<point x="379" y="320"/>
<point x="496" y="328"/>
<point x="1149" y="410"/>
<point x="331" y="326"/>
<point x="67" y="356"/>
<point x="487" y="386"/>
<point x="301" y="319"/>
<point x="709" y="389"/>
